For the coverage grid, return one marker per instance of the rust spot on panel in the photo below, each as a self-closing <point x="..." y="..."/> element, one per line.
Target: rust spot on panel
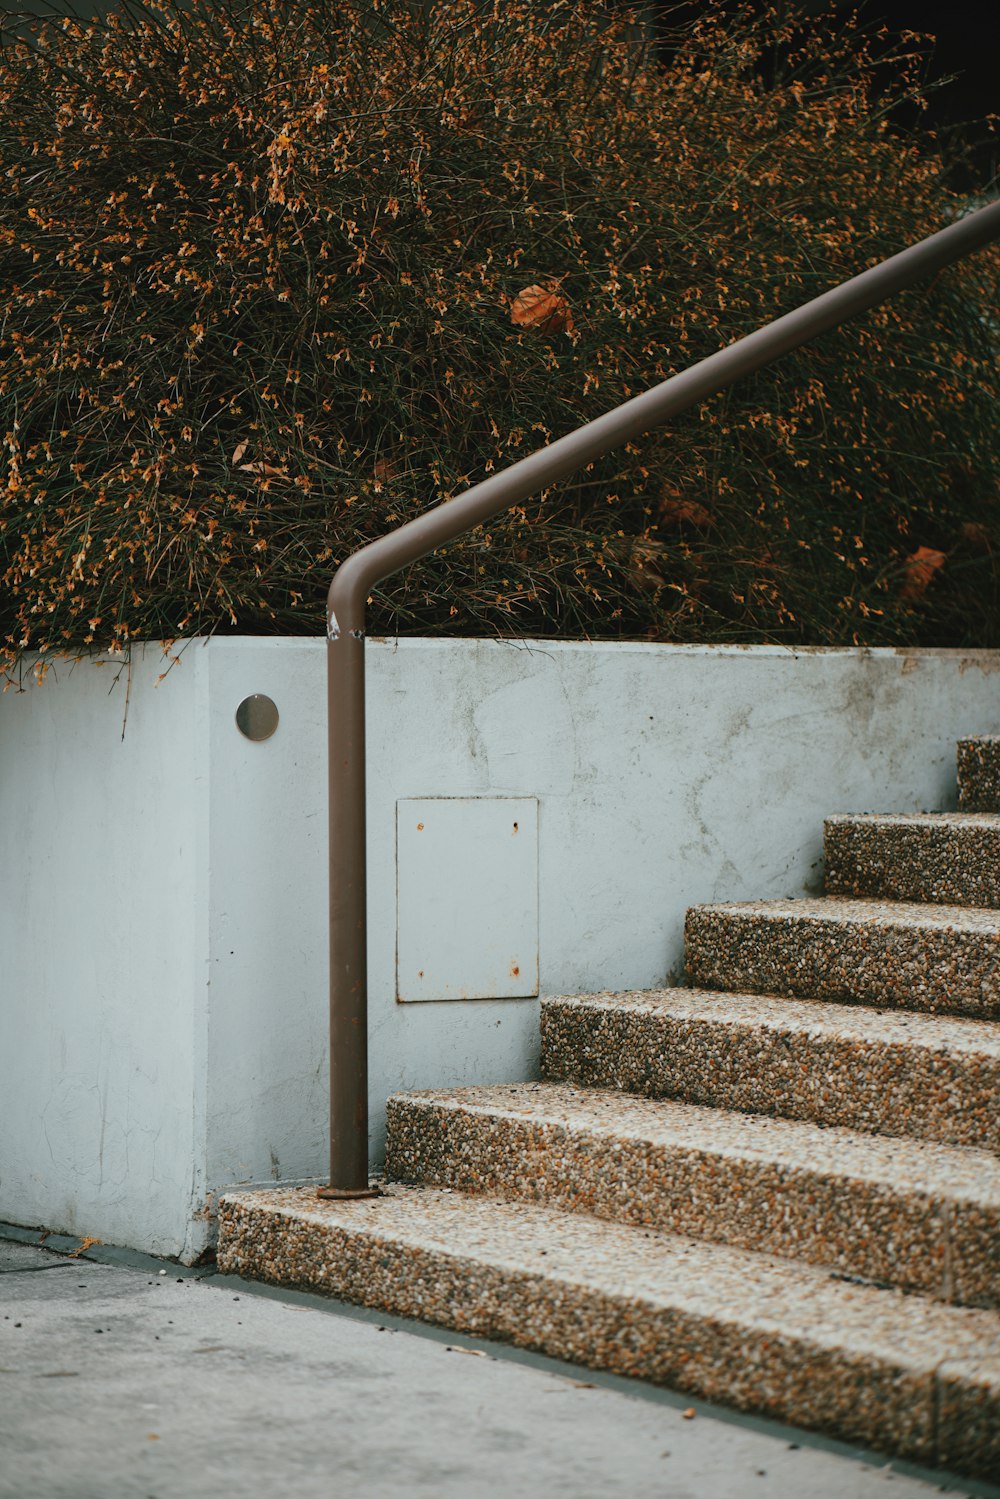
<point x="515" y="971"/>
<point x="420" y="827"/>
<point x="515" y="827"/>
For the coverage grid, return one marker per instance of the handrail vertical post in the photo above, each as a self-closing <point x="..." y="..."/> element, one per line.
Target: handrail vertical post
<point x="345" y="656"/>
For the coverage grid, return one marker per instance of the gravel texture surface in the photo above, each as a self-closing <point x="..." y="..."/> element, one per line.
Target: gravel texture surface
<point x="910" y="1213"/>
<point x="948" y="858"/>
<point x="979" y="774"/>
<point x="890" y="1072"/>
<point x="943" y="959"/>
<point x="786" y="1340"/>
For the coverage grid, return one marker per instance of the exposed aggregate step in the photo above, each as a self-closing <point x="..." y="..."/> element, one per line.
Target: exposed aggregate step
<point x="901" y="1073"/>
<point x="979" y="774"/>
<point x="780" y="1190"/>
<point x="789" y="1341"/>
<point x="947" y="858"/>
<point x="900" y="954"/>
<point x="914" y="1214"/>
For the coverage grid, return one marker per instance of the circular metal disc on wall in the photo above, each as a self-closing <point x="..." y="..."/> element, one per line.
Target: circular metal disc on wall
<point x="257" y="716"/>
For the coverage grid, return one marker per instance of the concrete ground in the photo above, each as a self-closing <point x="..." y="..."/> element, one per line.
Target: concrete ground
<point x="125" y="1377"/>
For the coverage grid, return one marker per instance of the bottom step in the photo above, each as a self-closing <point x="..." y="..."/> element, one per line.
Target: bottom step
<point x="794" y="1342"/>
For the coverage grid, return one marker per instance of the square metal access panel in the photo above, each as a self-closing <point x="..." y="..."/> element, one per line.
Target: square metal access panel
<point x="467" y="898"/>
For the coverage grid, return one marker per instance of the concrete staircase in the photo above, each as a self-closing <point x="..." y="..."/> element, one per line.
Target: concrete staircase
<point x="778" y="1189"/>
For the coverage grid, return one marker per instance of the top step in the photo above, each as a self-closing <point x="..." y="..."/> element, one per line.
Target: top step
<point x="979" y="774"/>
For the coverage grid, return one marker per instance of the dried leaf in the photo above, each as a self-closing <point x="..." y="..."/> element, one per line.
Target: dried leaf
<point x="85" y="1243"/>
<point x="542" y="307"/>
<point x="240" y="450"/>
<point x="920" y="566"/>
<point x="266" y="469"/>
<point x="386" y="470"/>
<point x="675" y="510"/>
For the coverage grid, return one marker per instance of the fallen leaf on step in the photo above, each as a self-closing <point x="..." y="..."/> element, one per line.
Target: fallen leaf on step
<point x="690" y="1413"/>
<point x="82" y="1247"/>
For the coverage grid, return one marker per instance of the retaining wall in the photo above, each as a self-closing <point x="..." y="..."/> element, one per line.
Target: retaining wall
<point x="163" y="895"/>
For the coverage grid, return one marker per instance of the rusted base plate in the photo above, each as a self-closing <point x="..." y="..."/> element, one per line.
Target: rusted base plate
<point x="347" y="1194"/>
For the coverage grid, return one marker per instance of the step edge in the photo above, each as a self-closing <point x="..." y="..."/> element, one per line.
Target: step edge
<point x="906" y="1150"/>
<point x="956" y="819"/>
<point x="811" y="1279"/>
<point x="795" y="1021"/>
<point x="786" y="1359"/>
<point x="945" y="918"/>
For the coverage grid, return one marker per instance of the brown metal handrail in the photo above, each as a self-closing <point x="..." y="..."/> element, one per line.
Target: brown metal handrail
<point x="363" y="569"/>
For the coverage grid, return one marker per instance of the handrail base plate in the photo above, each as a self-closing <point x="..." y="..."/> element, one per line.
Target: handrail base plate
<point x="347" y="1194"/>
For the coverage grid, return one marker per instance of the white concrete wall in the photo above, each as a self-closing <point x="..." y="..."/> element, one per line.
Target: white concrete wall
<point x="163" y="898"/>
<point x="103" y="940"/>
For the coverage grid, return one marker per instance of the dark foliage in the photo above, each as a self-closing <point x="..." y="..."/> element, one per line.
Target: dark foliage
<point x="260" y="266"/>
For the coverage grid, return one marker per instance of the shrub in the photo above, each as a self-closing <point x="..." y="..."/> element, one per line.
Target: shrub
<point x="277" y="277"/>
